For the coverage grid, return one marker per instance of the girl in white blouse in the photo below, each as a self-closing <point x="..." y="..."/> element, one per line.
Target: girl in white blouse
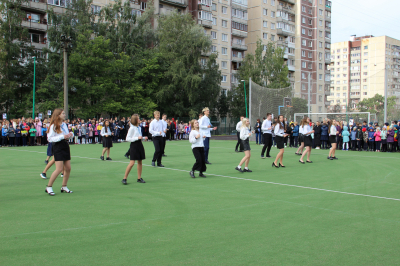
<point x="279" y="130"/>
<point x="197" y="140"/>
<point x="332" y="138"/>
<point x="59" y="136"/>
<point x="107" y="140"/>
<point x="245" y="133"/>
<point x="306" y="130"/>
<point x="136" y="150"/>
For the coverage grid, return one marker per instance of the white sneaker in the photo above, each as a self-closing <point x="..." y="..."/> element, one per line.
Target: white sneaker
<point x="317" y="148"/>
<point x="65" y="189"/>
<point x="62" y="175"/>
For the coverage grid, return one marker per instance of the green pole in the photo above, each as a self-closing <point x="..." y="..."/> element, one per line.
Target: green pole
<point x="245" y="99"/>
<point x="34" y="74"/>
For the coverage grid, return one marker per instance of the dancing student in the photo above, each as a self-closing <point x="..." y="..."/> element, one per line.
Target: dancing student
<point x="306" y="130"/>
<point x="279" y="130"/>
<point x="239" y="142"/>
<point x="59" y="136"/>
<point x="164" y="133"/>
<point x="107" y="140"/>
<point x="301" y="138"/>
<point x="245" y="133"/>
<point x="137" y="152"/>
<point x="332" y="138"/>
<point x="266" y="129"/>
<point x="206" y="128"/>
<point x="197" y="140"/>
<point x="156" y="130"/>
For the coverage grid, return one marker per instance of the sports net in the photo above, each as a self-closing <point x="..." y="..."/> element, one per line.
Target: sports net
<point x="265" y="100"/>
<point x="350" y="117"/>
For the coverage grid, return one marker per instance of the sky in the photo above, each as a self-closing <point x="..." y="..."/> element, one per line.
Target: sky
<point x="365" y="17"/>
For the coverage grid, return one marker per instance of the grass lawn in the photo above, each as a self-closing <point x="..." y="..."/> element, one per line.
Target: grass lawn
<point x="296" y="215"/>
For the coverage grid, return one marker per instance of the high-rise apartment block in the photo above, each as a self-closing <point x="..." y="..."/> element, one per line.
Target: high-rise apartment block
<point x="302" y="27"/>
<point x="359" y="69"/>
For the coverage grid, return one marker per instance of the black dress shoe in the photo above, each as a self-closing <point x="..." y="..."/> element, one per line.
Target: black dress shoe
<point x="301" y="162"/>
<point x="239" y="169"/>
<point x="160" y="165"/>
<point x="267" y="156"/>
<point x="202" y="175"/>
<point x="309" y="161"/>
<point x="124" y="182"/>
<point x="273" y="164"/>
<point x="140" y="180"/>
<point x="207" y="162"/>
<point x="153" y="163"/>
<point x="335" y="158"/>
<point x="192" y="174"/>
<point x="164" y="155"/>
<point x="126" y="156"/>
<point x="281" y="165"/>
<point x="108" y="159"/>
<point x="247" y="170"/>
<point x="102" y="158"/>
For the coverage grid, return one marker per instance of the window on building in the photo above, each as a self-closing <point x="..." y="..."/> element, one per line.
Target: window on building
<point x="213" y="48"/>
<point x="265" y="12"/>
<point x="224" y="37"/>
<point x="272" y="37"/>
<point x="223" y="78"/>
<point x="214" y="21"/>
<point x="303" y="53"/>
<point x="320" y="66"/>
<point x="224" y="23"/>
<point x="224" y="50"/>
<point x="320" y="76"/>
<point x="272" y="14"/>
<point x="214" y="7"/>
<point x="213" y="34"/>
<point x="309" y="54"/>
<point x="365" y="93"/>
<point x="265" y="36"/>
<point x="224" y="10"/>
<point x="303" y="75"/>
<point x="224" y="64"/>
<point x="366" y="47"/>
<point x="303" y="64"/>
<point x="272" y="26"/>
<point x="265" y="24"/>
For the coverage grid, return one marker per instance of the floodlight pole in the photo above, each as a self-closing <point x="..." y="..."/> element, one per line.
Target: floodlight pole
<point x="386" y="92"/>
<point x="309" y="94"/>
<point x="34" y="75"/>
<point x="245" y="98"/>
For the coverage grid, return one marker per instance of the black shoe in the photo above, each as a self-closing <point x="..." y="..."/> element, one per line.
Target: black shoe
<point x="296" y="153"/>
<point x="164" y="155"/>
<point x="267" y="156"/>
<point x="102" y="158"/>
<point x="281" y="165"/>
<point x="140" y="180"/>
<point x="334" y="158"/>
<point x="262" y="157"/>
<point x="301" y="162"/>
<point x="46" y="161"/>
<point x="160" y="165"/>
<point x="309" y="161"/>
<point x="108" y="159"/>
<point x="329" y="158"/>
<point x="124" y="182"/>
<point x="153" y="163"/>
<point x="126" y="156"/>
<point x="239" y="169"/>
<point x="273" y="164"/>
<point x="236" y="151"/>
<point x="247" y="170"/>
<point x="43" y="175"/>
<point x="192" y="174"/>
<point x="207" y="162"/>
<point x="201" y="175"/>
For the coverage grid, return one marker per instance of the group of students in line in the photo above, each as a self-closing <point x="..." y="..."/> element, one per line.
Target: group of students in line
<point x="59" y="136"/>
<point x="23" y="132"/>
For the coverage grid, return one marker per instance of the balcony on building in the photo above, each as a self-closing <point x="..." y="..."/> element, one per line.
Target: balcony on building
<point x="291" y="67"/>
<point x="327" y="61"/>
<point x="235" y="67"/>
<point x="237" y="56"/>
<point x="207" y="54"/>
<point x="328" y="16"/>
<point x="328" y="4"/>
<point x="39" y="6"/>
<point x="239" y="33"/>
<point x="355" y="96"/>
<point x="37" y="40"/>
<point x="179" y="3"/>
<point x="284" y="32"/>
<point x="289" y="9"/>
<point x="239" y="4"/>
<point x="205" y="23"/>
<point x="35" y="21"/>
<point x="289" y="1"/>
<point x="202" y="5"/>
<point x="327" y="103"/>
<point x="238" y="43"/>
<point x="284" y="20"/>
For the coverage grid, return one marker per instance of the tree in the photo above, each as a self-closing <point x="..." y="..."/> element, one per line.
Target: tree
<point x="299" y="106"/>
<point x="266" y="68"/>
<point x="376" y="105"/>
<point x="223" y="105"/>
<point x="187" y="83"/>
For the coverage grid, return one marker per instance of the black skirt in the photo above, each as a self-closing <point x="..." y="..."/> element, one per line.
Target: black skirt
<point x="61" y="151"/>
<point x="301" y="138"/>
<point x="280" y="144"/>
<point x="308" y="141"/>
<point x="137" y="151"/>
<point x="107" y="142"/>
<point x="246" y="144"/>
<point x="332" y="139"/>
<point x="200" y="164"/>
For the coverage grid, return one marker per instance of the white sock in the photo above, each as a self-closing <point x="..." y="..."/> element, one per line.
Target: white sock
<point x="239" y="167"/>
<point x="246" y="168"/>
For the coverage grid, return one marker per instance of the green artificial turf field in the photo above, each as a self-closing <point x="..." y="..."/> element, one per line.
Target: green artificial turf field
<point x="292" y="216"/>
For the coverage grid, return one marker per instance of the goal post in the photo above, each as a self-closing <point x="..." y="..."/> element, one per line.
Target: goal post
<point x="355" y="116"/>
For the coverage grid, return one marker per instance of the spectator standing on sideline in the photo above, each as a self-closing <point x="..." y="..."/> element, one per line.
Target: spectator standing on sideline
<point x="239" y="141"/>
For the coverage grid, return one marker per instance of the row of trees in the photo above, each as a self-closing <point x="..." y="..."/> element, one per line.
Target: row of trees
<point x="119" y="63"/>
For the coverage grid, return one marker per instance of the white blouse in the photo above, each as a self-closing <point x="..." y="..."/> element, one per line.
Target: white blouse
<point x="103" y="131"/>
<point x="133" y="134"/>
<point x="53" y="136"/>
<point x="244" y="133"/>
<point x="306" y="129"/>
<point x="196" y="142"/>
<point x="279" y="131"/>
<point x="333" y="131"/>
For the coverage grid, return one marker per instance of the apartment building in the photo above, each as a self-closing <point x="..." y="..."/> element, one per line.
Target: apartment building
<point x="359" y="69"/>
<point x="303" y="28"/>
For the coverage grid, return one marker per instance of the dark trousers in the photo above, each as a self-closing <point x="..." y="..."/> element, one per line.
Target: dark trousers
<point x="11" y="139"/>
<point x="18" y="141"/>
<point x="371" y="145"/>
<point x="378" y="145"/>
<point x="171" y="135"/>
<point x="239" y="143"/>
<point x="267" y="144"/>
<point x="359" y="145"/>
<point x="24" y="141"/>
<point x="158" y="146"/>
<point x="200" y="164"/>
<point x="365" y="145"/>
<point x="206" y="148"/>
<point x="32" y="141"/>
<point x="164" y="142"/>
<point x="353" y="144"/>
<point x="291" y="141"/>
<point x="296" y="141"/>
<point x="3" y="141"/>
<point x="324" y="144"/>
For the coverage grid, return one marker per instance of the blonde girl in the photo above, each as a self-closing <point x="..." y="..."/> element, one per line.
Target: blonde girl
<point x="306" y="130"/>
<point x="332" y="138"/>
<point x="245" y="133"/>
<point x="197" y="140"/>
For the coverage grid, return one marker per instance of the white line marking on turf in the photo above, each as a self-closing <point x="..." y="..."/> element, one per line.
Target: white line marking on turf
<point x="252" y="180"/>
